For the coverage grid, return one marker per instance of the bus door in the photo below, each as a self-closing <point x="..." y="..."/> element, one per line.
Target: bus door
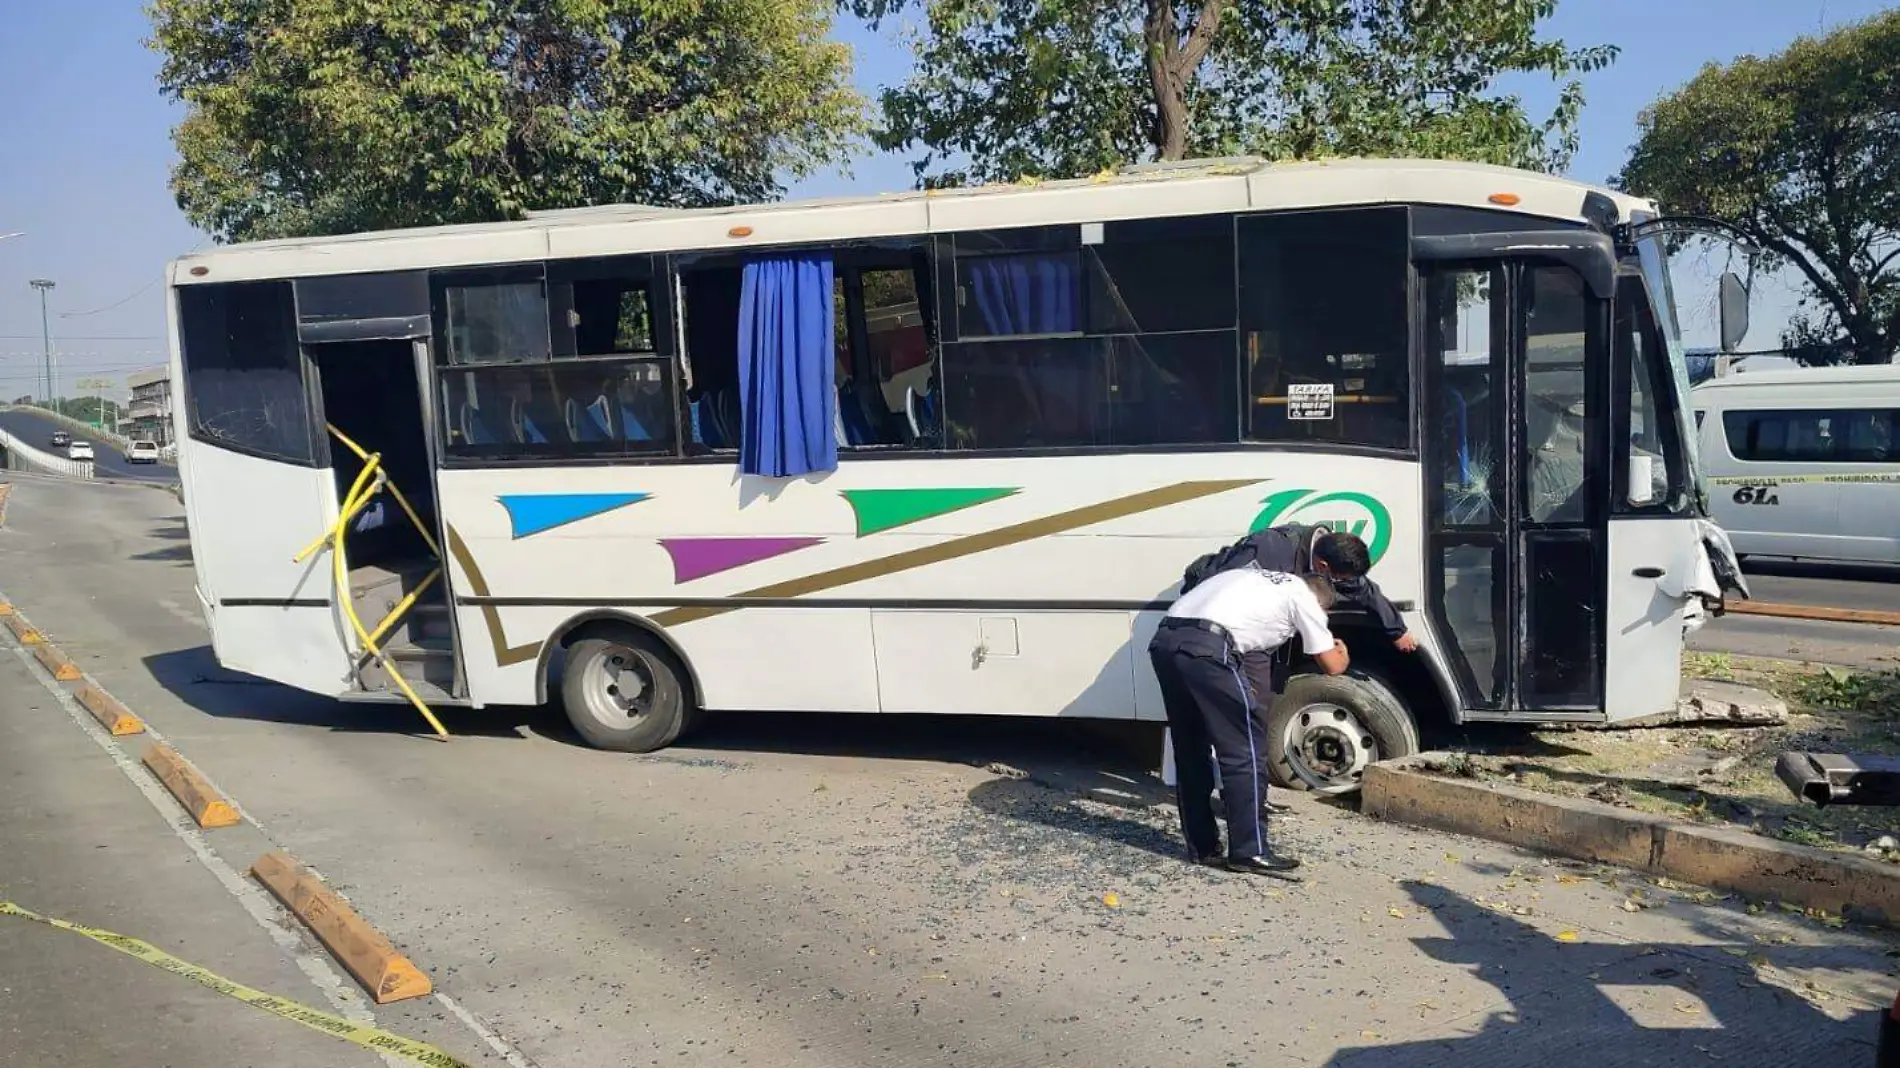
<point x="257" y="484"/>
<point x="1538" y="589"/>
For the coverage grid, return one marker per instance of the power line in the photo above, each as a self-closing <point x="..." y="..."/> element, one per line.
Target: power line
<point x="141" y="291"/>
<point x="85" y="337"/>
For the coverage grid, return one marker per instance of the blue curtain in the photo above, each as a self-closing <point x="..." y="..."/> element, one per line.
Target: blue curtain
<point x="786" y="369"/>
<point x="1036" y="293"/>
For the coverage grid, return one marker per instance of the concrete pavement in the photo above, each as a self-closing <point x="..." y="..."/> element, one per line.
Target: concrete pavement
<point x="831" y="891"/>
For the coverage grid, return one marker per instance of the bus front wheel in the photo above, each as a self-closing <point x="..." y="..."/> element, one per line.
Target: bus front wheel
<point x="625" y="692"/>
<point x="1325" y="730"/>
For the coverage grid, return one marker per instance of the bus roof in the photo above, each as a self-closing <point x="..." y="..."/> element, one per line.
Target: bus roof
<point x="1193" y="187"/>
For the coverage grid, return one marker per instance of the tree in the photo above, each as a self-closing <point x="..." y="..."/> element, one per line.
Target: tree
<point x="1058" y="88"/>
<point x="329" y="116"/>
<point x="1801" y="152"/>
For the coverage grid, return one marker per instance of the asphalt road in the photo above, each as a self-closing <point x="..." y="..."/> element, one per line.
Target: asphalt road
<point x="800" y="890"/>
<point x="1829" y="586"/>
<point x="108" y="462"/>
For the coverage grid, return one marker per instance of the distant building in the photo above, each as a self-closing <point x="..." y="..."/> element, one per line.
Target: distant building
<point x="150" y="413"/>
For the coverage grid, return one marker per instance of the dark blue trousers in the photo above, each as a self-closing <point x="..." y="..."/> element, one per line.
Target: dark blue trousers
<point x="1211" y="707"/>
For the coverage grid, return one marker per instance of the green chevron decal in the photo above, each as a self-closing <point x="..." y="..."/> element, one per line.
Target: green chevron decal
<point x="882" y="509"/>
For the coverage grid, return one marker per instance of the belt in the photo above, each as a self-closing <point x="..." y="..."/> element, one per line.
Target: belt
<point x="1208" y="625"/>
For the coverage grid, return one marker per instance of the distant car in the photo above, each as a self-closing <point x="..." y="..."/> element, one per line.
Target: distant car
<point x="142" y="452"/>
<point x="61" y="439"/>
<point x="79" y="450"/>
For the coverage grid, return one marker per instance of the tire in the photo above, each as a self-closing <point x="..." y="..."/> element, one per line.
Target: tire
<point x="594" y="684"/>
<point x="1325" y="729"/>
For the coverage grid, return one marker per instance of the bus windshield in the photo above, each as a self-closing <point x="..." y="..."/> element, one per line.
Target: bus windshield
<point x="1654" y="259"/>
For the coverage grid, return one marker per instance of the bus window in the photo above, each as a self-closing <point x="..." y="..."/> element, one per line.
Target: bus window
<point x="1827" y="435"/>
<point x="495" y="321"/>
<point x="1470" y="473"/>
<point x="1556" y="411"/>
<point x="1324" y="303"/>
<point x="244" y="378"/>
<point x="1646" y="458"/>
<point x="885" y="374"/>
<point x="1118" y="334"/>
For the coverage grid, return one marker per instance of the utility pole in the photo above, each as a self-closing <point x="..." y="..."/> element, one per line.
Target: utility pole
<point x="46" y="338"/>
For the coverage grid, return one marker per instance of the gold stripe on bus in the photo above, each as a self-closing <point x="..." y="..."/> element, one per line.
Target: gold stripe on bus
<point x="967" y="545"/>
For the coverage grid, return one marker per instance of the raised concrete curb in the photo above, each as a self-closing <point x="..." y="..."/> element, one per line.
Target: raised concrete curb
<point x="384" y="972"/>
<point x="106" y="708"/>
<point x="22" y="629"/>
<point x="53" y="660"/>
<point x="198" y="797"/>
<point x="1854" y="887"/>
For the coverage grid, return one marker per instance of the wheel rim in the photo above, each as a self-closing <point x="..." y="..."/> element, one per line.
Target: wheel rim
<point x="1328" y="748"/>
<point x="618" y="686"/>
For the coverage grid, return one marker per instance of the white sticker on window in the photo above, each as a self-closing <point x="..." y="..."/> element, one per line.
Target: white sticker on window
<point x="1311" y="401"/>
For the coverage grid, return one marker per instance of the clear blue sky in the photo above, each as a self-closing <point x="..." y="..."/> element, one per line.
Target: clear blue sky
<point x="87" y="151"/>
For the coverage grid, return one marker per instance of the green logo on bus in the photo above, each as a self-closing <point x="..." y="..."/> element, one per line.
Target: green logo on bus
<point x="1354" y="513"/>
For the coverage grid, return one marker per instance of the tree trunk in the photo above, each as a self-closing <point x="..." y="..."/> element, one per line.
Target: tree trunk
<point x="1172" y="64"/>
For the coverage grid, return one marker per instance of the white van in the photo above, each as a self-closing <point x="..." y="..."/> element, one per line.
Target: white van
<point x="1804" y="463"/>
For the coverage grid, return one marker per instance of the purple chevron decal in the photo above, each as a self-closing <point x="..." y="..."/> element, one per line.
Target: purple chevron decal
<point x="698" y="557"/>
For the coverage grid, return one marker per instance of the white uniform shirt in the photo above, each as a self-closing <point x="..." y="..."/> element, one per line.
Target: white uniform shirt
<point x="1260" y="609"/>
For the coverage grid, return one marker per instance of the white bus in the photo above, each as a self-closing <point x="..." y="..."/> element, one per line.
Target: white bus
<point x="949" y="452"/>
<point x="1805" y="463"/>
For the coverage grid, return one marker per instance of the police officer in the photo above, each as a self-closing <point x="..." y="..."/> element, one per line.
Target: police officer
<point x="1211" y="703"/>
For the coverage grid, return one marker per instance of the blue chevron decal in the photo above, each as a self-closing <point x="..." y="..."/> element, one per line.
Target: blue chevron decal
<point x="534" y="513"/>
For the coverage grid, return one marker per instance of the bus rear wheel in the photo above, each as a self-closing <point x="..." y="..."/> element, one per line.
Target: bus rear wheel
<point x="1325" y="730"/>
<point x="625" y="692"/>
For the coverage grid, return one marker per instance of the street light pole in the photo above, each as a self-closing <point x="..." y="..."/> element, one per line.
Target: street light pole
<point x="46" y="339"/>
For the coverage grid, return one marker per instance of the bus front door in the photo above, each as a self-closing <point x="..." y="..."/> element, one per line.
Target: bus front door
<point x="1564" y="546"/>
<point x="1515" y="487"/>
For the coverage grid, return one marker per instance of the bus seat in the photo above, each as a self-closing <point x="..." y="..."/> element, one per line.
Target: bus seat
<point x="589" y="423"/>
<point x="475" y="431"/>
<point x="853" y="427"/>
<point x="632" y="428"/>
<point x="726" y="410"/>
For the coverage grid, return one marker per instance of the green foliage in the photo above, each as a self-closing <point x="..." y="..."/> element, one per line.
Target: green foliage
<point x="1801" y="151"/>
<point x="1868" y="693"/>
<point x="329" y="116"/>
<point x="1007" y="89"/>
<point x="94" y="411"/>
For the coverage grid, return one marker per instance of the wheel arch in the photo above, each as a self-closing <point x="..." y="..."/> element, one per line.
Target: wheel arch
<point x="1415" y="678"/>
<point x="601" y="620"/>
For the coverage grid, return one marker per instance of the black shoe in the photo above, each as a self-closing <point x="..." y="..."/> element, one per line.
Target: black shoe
<point x="1207" y="860"/>
<point x="1275" y="808"/>
<point x="1271" y="864"/>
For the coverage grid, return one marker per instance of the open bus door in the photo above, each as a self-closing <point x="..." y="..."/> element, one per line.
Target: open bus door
<point x="257" y="484"/>
<point x="309" y="483"/>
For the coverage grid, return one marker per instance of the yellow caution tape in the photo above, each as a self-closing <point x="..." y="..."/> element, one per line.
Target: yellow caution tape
<point x="334" y="1026"/>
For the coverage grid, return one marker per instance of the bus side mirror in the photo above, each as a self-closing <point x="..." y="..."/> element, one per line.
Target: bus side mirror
<point x="1734" y="311"/>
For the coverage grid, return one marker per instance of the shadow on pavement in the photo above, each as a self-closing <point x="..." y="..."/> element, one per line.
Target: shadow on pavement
<point x="1626" y="1005"/>
<point x="194" y="677"/>
<point x="1046" y="748"/>
<point x="175" y="554"/>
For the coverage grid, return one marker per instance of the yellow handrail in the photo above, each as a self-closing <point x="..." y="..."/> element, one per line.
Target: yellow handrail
<point x="395" y="491"/>
<point x="369" y="482"/>
<point x="408" y="602"/>
<point x="349" y="610"/>
<point x="370" y="465"/>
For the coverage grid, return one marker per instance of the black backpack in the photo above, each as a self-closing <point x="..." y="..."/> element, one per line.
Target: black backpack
<point x="1247" y="550"/>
